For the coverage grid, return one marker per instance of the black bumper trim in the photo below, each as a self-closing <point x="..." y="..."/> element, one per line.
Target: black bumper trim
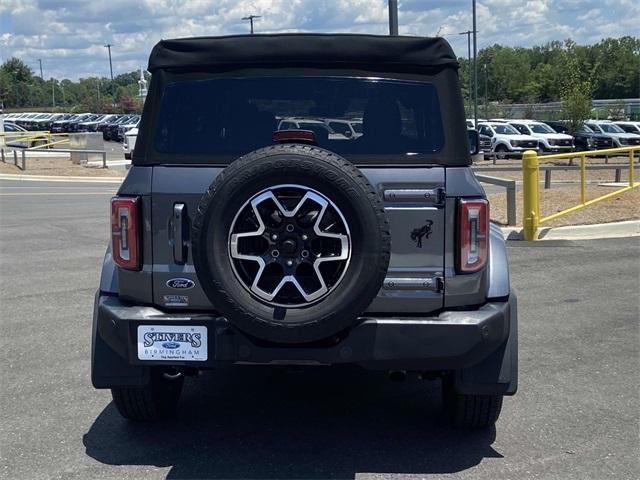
<point x="449" y="341"/>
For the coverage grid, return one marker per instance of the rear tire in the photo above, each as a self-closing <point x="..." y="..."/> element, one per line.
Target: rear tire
<point x="470" y="411"/>
<point x="155" y="401"/>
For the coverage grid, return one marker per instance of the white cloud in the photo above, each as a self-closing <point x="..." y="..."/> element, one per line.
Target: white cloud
<point x="68" y="35"/>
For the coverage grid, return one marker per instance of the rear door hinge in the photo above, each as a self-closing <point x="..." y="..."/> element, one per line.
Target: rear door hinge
<point x="434" y="196"/>
<point x="432" y="284"/>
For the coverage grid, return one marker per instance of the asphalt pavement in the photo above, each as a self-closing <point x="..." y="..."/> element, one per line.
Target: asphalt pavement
<point x="575" y="416"/>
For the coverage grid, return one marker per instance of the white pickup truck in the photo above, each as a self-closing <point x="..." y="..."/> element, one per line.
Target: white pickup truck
<point x="129" y="142"/>
<point x="549" y="139"/>
<point x="506" y="141"/>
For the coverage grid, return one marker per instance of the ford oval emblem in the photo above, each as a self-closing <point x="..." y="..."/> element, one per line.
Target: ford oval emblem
<point x="181" y="283"/>
<point x="171" y="345"/>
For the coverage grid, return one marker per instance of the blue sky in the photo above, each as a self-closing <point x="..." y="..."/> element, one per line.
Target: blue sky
<point x="68" y="35"/>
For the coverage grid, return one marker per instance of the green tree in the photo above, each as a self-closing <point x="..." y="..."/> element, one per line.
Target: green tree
<point x="576" y="93"/>
<point x="16" y="83"/>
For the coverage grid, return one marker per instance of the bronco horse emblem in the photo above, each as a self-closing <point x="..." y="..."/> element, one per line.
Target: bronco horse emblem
<point x="423" y="232"/>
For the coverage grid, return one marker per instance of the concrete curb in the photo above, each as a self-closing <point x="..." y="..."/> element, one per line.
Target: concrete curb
<point x="53" y="178"/>
<point x="629" y="228"/>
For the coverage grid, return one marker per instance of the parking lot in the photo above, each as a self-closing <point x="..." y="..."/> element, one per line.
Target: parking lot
<point x="575" y="415"/>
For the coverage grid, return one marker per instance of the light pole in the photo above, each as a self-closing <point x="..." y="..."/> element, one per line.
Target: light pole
<point x="393" y="17"/>
<point x="41" y="75"/>
<point x="468" y="34"/>
<point x="486" y="92"/>
<point x="250" y="18"/>
<point x="113" y="94"/>
<point x="475" y="67"/>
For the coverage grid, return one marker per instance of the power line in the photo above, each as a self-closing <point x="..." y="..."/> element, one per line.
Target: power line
<point x="250" y="18"/>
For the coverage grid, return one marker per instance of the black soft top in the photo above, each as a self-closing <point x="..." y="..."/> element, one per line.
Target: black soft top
<point x="366" y="52"/>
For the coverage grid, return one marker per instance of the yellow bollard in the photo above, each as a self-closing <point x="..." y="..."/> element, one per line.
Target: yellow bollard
<point x="631" y="179"/>
<point x="583" y="179"/>
<point x="531" y="186"/>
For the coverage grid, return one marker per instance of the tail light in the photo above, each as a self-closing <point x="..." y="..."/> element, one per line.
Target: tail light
<point x="125" y="232"/>
<point x="473" y="231"/>
<point x="289" y="136"/>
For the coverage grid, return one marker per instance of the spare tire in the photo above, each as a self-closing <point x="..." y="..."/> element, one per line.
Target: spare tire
<point x="291" y="243"/>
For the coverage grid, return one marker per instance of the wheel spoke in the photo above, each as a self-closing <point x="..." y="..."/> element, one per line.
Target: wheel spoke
<point x="344" y="247"/>
<point x="289" y="276"/>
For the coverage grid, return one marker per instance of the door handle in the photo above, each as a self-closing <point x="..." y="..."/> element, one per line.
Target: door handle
<point x="179" y="250"/>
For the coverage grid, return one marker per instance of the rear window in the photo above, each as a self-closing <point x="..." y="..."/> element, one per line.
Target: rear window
<point x="236" y="115"/>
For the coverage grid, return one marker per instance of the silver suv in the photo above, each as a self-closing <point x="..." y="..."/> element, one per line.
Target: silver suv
<point x="237" y="243"/>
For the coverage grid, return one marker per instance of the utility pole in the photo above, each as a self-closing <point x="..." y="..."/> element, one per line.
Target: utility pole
<point x="468" y="34"/>
<point x="250" y="18"/>
<point x="486" y="92"/>
<point x="113" y="93"/>
<point x="41" y="75"/>
<point x="475" y="67"/>
<point x="393" y="17"/>
<point x="53" y="92"/>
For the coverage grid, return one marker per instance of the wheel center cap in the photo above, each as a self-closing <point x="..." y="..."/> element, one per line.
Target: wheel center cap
<point x="289" y="246"/>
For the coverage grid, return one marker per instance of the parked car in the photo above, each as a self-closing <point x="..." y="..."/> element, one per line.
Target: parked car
<point x="585" y="138"/>
<point x="92" y="125"/>
<point x="80" y="125"/>
<point x="64" y="125"/>
<point x="471" y="122"/>
<point x="319" y="127"/>
<point x="477" y="154"/>
<point x="121" y="129"/>
<point x="557" y="125"/>
<point x="618" y="135"/>
<point x="129" y="142"/>
<point x="347" y="128"/>
<point x="102" y="125"/>
<point x="484" y="142"/>
<point x="45" y="124"/>
<point x="31" y="123"/>
<point x="234" y="243"/>
<point x="23" y="120"/>
<point x="548" y="139"/>
<point x="506" y="141"/>
<point x="110" y="129"/>
<point x="629" y="127"/>
<point x="23" y="139"/>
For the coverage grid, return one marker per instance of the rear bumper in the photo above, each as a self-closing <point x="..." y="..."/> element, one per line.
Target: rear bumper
<point x="451" y="341"/>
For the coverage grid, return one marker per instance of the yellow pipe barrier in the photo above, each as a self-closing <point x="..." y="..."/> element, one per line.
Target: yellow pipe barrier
<point x="531" y="186"/>
<point x="46" y="136"/>
<point x="47" y="145"/>
<point x="585" y="204"/>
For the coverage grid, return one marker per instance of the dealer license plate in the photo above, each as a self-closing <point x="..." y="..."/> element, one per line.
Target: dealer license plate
<point x="172" y="342"/>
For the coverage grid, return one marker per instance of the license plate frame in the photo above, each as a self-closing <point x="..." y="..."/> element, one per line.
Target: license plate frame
<point x="181" y="343"/>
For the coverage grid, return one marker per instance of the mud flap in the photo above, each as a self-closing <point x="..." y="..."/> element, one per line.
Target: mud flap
<point x="108" y="369"/>
<point x="498" y="373"/>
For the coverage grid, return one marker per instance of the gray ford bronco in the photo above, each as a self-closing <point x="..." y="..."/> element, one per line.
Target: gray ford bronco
<point x="235" y="242"/>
